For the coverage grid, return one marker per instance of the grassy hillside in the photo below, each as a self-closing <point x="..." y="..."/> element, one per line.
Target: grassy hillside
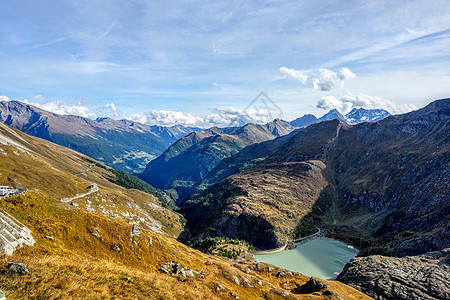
<point x="94" y="251"/>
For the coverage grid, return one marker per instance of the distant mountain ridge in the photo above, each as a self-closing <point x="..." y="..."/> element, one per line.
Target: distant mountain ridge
<point x="355" y="116"/>
<point x="122" y="144"/>
<point x="191" y="158"/>
<point x="188" y="161"/>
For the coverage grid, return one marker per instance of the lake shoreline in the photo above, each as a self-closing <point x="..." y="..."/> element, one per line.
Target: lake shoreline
<point x="318" y="256"/>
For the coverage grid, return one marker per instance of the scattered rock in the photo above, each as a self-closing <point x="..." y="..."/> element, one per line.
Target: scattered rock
<point x="248" y="283"/>
<point x="209" y="262"/>
<point x="135" y="231"/>
<point x="236" y="280"/>
<point x="95" y="234"/>
<point x="150" y="242"/>
<point x="280" y="292"/>
<point x="311" y="286"/>
<point x="117" y="248"/>
<point x="331" y="293"/>
<point x="2" y="295"/>
<point x="187" y="273"/>
<point x="176" y="268"/>
<point x="284" y="273"/>
<point x="74" y="204"/>
<point x="18" y="268"/>
<point x="219" y="287"/>
<point x="49" y="237"/>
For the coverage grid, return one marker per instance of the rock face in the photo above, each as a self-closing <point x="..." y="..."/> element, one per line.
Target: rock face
<point x="414" y="277"/>
<point x="13" y="234"/>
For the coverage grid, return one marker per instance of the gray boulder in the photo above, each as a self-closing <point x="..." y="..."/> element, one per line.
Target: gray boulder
<point x="18" y="268"/>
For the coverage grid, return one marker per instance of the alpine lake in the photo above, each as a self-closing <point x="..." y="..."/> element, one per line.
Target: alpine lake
<point x="322" y="257"/>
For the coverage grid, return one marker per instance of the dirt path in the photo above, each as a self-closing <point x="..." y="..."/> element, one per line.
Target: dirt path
<point x="94" y="188"/>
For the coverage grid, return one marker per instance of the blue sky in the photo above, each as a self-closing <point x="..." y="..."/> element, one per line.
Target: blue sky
<point x="203" y="62"/>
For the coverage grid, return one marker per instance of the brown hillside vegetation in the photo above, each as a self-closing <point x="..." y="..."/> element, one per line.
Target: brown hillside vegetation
<point x="92" y="253"/>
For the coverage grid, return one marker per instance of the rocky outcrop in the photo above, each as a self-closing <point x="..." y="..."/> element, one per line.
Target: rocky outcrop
<point x="13" y="234"/>
<point x="176" y="268"/>
<point x="18" y="268"/>
<point x="414" y="277"/>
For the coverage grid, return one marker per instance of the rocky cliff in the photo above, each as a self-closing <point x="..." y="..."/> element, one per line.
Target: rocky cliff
<point x="413" y="277"/>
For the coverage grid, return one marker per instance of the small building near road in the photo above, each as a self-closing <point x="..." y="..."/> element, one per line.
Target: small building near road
<point x="4" y="190"/>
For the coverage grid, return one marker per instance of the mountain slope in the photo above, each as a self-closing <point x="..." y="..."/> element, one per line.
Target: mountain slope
<point x="112" y="242"/>
<point x="190" y="159"/>
<point x="381" y="186"/>
<point x="125" y="145"/>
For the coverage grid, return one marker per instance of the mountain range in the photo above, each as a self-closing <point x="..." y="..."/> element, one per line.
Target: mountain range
<point x="377" y="182"/>
<point x="126" y="145"/>
<point x="191" y="159"/>
<point x="355" y="116"/>
<point x="122" y="144"/>
<point x="382" y="186"/>
<point x="99" y="233"/>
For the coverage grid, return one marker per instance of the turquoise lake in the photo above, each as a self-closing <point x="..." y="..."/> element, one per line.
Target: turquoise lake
<point x="322" y="257"/>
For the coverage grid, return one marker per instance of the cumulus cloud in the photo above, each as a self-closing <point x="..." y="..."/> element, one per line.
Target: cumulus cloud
<point x="331" y="102"/>
<point x="345" y="73"/>
<point x="221" y="117"/>
<point x="349" y="101"/>
<point x="295" y="74"/>
<point x="326" y="80"/>
<point x="62" y="108"/>
<point x="110" y="110"/>
<point x="165" y="118"/>
<point x="321" y="79"/>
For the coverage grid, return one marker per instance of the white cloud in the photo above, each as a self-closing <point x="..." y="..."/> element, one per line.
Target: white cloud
<point x="165" y="118"/>
<point x="346" y="102"/>
<point x="222" y="117"/>
<point x="110" y="110"/>
<point x="326" y="80"/>
<point x="345" y="73"/>
<point x="62" y="108"/>
<point x="321" y="79"/>
<point x="295" y="74"/>
<point x="331" y="102"/>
